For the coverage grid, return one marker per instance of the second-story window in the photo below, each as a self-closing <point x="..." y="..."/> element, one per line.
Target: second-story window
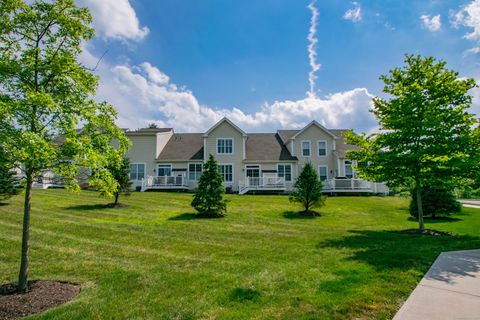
<point x="322" y="148"/>
<point x="306" y="148"/>
<point x="225" y="146"/>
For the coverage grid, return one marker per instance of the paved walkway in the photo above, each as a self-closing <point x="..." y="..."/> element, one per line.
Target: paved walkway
<point x="449" y="290"/>
<point x="470" y="203"/>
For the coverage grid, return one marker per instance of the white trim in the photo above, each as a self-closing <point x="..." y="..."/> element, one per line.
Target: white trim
<point x="144" y="172"/>
<point x="205" y="153"/>
<point x="309" y="148"/>
<point x="223" y="154"/>
<point x="225" y="119"/>
<point x="233" y="172"/>
<point x="345" y="168"/>
<point x="318" y="170"/>
<point x="318" y="125"/>
<point x="188" y="170"/>
<point x="326" y="148"/>
<point x="164" y="164"/>
<point x="291" y="171"/>
<point x="244" y="151"/>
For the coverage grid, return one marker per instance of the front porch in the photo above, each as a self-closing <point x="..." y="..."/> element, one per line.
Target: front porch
<point x="354" y="186"/>
<point x="164" y="183"/>
<point x="265" y="183"/>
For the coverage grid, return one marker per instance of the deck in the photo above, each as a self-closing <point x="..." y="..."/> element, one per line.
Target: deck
<point x="164" y="183"/>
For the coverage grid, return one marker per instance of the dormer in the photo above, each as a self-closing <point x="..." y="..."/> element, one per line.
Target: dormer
<point x="225" y="140"/>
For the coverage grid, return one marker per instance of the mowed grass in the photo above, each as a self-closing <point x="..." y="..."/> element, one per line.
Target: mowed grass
<point x="154" y="260"/>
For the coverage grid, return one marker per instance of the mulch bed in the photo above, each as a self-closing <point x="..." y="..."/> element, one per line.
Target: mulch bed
<point x="41" y="296"/>
<point x="428" y="232"/>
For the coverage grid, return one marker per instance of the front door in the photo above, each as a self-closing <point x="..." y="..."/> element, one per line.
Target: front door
<point x="252" y="173"/>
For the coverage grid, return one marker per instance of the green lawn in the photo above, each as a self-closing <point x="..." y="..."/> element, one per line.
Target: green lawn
<point x="153" y="260"/>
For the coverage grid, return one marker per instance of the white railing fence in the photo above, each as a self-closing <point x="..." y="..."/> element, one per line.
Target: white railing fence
<point x="354" y="185"/>
<point x="164" y="182"/>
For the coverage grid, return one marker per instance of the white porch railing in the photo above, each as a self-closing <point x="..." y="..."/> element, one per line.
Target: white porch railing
<point x="164" y="182"/>
<point x="263" y="183"/>
<point x="48" y="182"/>
<point x="354" y="185"/>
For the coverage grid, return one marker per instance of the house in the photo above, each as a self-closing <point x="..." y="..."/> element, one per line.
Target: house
<point x="249" y="162"/>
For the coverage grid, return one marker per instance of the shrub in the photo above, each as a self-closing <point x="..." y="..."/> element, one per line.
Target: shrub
<point x="208" y="199"/>
<point x="436" y="201"/>
<point x="307" y="190"/>
<point x="9" y="184"/>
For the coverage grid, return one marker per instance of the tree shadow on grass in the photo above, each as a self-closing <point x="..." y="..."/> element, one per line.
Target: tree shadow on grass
<point x="299" y="215"/>
<point x="89" y="207"/>
<point x="436" y="219"/>
<point x="4" y="204"/>
<point x="193" y="216"/>
<point x="396" y="251"/>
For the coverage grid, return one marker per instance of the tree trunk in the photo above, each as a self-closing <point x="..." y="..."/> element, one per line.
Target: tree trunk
<point x="23" y="274"/>
<point x="421" y="226"/>
<point x="116" y="198"/>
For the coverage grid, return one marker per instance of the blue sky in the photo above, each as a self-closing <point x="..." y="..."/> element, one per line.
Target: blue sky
<point x="248" y="59"/>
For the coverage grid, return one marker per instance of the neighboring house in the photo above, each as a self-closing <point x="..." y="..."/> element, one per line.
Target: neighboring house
<point x="248" y="162"/>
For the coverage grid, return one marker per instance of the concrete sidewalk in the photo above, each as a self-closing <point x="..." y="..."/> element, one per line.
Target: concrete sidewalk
<point x="449" y="290"/>
<point x="470" y="203"/>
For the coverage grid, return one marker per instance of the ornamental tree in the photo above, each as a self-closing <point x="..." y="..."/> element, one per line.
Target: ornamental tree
<point x="46" y="95"/>
<point x="121" y="174"/>
<point x="208" y="199"/>
<point x="427" y="138"/>
<point x="307" y="190"/>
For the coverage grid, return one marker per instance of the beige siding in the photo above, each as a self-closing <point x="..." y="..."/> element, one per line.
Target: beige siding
<point x="143" y="150"/>
<point x="225" y="130"/>
<point x="314" y="134"/>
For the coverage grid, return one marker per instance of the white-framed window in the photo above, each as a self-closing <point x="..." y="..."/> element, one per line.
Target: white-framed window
<point x="322" y="148"/>
<point x="224" y="146"/>
<point x="323" y="172"/>
<point x="226" y="170"/>
<point x="164" y="170"/>
<point x="348" y="169"/>
<point x="306" y="148"/>
<point x="285" y="171"/>
<point x="194" y="171"/>
<point x="137" y="171"/>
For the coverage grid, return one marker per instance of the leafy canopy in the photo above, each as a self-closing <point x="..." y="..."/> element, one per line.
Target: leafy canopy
<point x="307" y="189"/>
<point x="46" y="94"/>
<point x="208" y="199"/>
<point x="427" y="135"/>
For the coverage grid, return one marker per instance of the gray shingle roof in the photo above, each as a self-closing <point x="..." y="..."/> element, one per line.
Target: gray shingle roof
<point x="266" y="146"/>
<point x="287" y="134"/>
<point x="342" y="147"/>
<point x="183" y="146"/>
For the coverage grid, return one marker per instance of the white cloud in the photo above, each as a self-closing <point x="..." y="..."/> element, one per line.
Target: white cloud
<point x="432" y="23"/>
<point x="143" y="94"/>
<point x="468" y="16"/>
<point x="115" y="19"/>
<point x="354" y="14"/>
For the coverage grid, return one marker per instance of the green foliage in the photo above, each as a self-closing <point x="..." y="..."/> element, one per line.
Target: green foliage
<point x="208" y="199"/>
<point x="435" y="201"/>
<point x="121" y="173"/>
<point x="307" y="189"/>
<point x="9" y="184"/>
<point x="46" y="94"/>
<point x="427" y="136"/>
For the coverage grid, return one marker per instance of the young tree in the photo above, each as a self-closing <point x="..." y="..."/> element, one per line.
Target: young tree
<point x="121" y="174"/>
<point x="208" y="199"/>
<point x="427" y="136"/>
<point x="46" y="94"/>
<point x="307" y="190"/>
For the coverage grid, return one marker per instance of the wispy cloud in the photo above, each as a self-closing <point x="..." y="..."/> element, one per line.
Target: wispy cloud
<point x="432" y="23"/>
<point x="354" y="14"/>
<point x="312" y="54"/>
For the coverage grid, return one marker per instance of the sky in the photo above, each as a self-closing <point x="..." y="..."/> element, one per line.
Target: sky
<point x="268" y="64"/>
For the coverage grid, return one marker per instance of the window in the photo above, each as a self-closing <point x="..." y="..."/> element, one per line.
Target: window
<point x="137" y="171"/>
<point x="323" y="173"/>
<point x="194" y="171"/>
<point x="164" y="170"/>
<point x="285" y="171"/>
<point x="226" y="170"/>
<point x="225" y="146"/>
<point x="322" y="148"/>
<point x="306" y="148"/>
<point x="348" y="169"/>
